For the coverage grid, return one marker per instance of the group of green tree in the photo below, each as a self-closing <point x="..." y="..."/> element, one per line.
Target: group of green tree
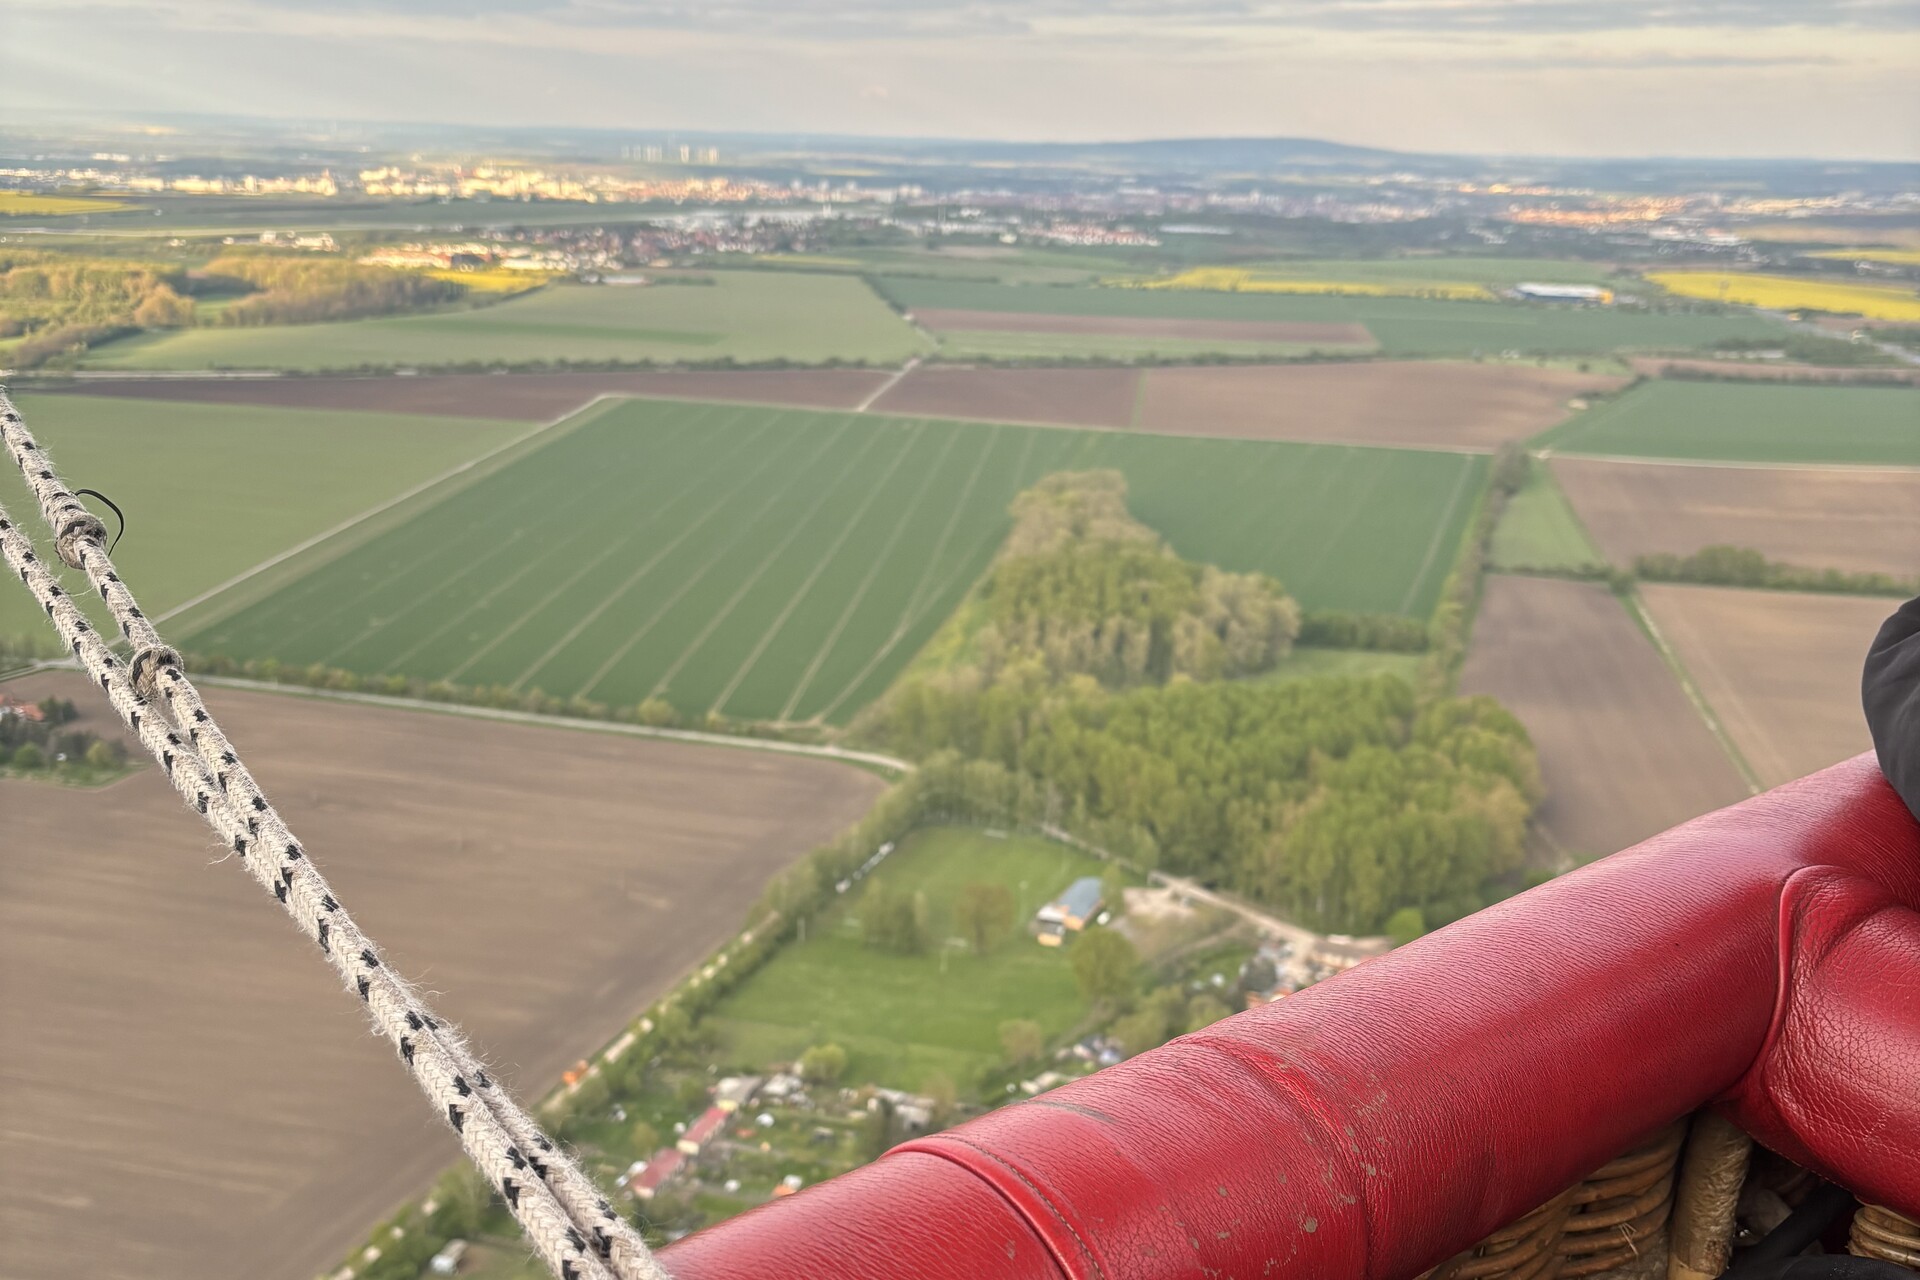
<point x="1340" y="801"/>
<point x="57" y="304"/>
<point x="1728" y="566"/>
<point x="281" y="289"/>
<point x="49" y="745"/>
<point x="1083" y="588"/>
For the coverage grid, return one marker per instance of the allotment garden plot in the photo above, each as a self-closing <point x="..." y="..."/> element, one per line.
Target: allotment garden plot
<point x="785" y="564"/>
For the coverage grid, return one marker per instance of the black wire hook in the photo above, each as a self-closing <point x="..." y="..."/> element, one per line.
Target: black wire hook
<point x="95" y="493"/>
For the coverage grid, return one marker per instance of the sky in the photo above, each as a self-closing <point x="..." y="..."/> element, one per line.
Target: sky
<point x="1815" y="78"/>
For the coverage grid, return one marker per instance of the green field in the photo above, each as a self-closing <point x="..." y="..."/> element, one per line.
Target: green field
<point x="743" y="315"/>
<point x="1539" y="530"/>
<point x="211" y="490"/>
<point x="1750" y="422"/>
<point x="902" y="1018"/>
<point x="994" y="344"/>
<point x="786" y="564"/>
<point x="1403" y="326"/>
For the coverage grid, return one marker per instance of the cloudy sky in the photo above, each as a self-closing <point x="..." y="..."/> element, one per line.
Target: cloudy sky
<point x="1575" y="77"/>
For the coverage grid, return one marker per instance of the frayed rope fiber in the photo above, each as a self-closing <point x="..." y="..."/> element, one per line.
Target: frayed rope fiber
<point x="568" y="1221"/>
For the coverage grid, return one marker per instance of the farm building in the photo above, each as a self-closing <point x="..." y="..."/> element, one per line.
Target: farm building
<point x="1563" y="292"/>
<point x="25" y="710"/>
<point x="1069" y="912"/>
<point x="734" y="1092"/>
<point x="701" y="1131"/>
<point x="665" y="1163"/>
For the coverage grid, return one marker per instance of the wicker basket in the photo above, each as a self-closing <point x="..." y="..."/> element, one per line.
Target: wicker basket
<point x="1613" y="1225"/>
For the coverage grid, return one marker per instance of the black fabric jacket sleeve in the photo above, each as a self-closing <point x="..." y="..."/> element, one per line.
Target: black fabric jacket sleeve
<point x="1890" y="688"/>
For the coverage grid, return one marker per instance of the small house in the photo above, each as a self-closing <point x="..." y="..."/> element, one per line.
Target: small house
<point x="1070" y="912"/>
<point x="665" y="1163"/>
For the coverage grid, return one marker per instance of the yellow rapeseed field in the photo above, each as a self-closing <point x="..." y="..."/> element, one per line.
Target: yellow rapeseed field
<point x="1793" y="293"/>
<point x="1240" y="280"/>
<point x="493" y="280"/>
<point x="23" y="202"/>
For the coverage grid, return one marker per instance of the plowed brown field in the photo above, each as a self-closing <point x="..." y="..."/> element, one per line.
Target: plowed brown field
<point x="1288" y="331"/>
<point x="187" y="1093"/>
<point x="1623" y="752"/>
<point x="1856" y="519"/>
<point x="1780" y="669"/>
<point x="1419" y="404"/>
<point x="523" y="397"/>
<point x="1067" y="397"/>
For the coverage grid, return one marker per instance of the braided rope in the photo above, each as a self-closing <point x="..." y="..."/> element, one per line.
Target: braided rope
<point x="572" y="1226"/>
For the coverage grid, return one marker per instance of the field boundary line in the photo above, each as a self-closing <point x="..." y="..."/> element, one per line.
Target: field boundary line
<point x="1671" y="657"/>
<point x="877" y="562"/>
<point x="752" y="580"/>
<point x="800" y="593"/>
<point x="843" y="755"/>
<point x="378" y="509"/>
<point x="717" y="464"/>
<point x="528" y="498"/>
<point x="1124" y="429"/>
<point x="913" y="362"/>
<point x="1439" y="535"/>
<point x="741" y="530"/>
<point x="1845" y="468"/>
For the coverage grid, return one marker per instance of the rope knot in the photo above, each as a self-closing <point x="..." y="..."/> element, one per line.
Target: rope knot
<point x="145" y="669"/>
<point x="75" y="531"/>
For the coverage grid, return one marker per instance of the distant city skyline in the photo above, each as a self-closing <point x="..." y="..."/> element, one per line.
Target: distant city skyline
<point x="1541" y="77"/>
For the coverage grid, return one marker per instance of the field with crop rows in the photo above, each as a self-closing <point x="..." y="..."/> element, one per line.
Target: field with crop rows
<point x="742" y="315"/>
<point x="1750" y="422"/>
<point x="785" y="564"/>
<point x="1402" y="326"/>
<point x="210" y="490"/>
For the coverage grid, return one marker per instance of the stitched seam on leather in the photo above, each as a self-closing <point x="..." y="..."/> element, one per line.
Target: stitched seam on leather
<point x="1310" y="1107"/>
<point x="1066" y="1264"/>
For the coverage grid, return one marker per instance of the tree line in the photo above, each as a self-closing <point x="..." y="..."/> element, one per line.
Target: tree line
<point x="1729" y="566"/>
<point x="306" y="290"/>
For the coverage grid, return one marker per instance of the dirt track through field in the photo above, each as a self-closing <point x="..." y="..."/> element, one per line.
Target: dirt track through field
<point x="1622" y="750"/>
<point x="1067" y="397"/>
<point x="176" y="1061"/>
<point x="515" y="397"/>
<point x="1780" y="669"/>
<point x="1422" y="404"/>
<point x="1275" y="331"/>
<point x="1858" y="520"/>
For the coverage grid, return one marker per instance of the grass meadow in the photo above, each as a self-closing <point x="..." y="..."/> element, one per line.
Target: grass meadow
<point x="1402" y="326"/>
<point x="786" y="564"/>
<point x="1750" y="422"/>
<point x="1539" y="529"/>
<point x="743" y="315"/>
<point x="903" y="1018"/>
<point x="211" y="490"/>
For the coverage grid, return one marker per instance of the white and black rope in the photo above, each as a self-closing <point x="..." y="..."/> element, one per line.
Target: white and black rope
<point x="571" y="1225"/>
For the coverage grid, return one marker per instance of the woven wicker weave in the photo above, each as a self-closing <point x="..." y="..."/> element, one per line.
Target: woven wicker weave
<point x="1884" y="1234"/>
<point x="1612" y="1225"/>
